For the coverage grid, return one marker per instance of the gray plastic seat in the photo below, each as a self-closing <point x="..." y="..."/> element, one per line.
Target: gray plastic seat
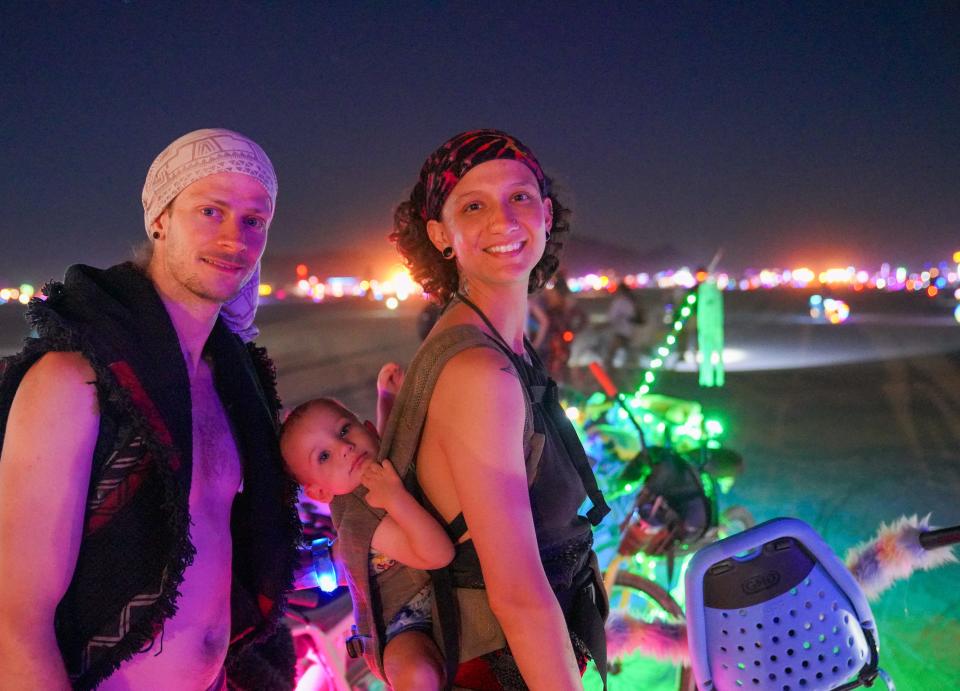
<point x="774" y="609"/>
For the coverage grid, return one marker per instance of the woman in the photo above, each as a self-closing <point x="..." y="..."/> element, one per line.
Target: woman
<point x="498" y="460"/>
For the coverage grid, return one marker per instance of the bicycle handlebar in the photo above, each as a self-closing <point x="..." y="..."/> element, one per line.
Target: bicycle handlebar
<point x="932" y="539"/>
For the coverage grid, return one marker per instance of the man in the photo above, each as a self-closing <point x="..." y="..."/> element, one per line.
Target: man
<point x="147" y="532"/>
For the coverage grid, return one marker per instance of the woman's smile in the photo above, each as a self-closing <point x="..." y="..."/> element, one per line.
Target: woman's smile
<point x="507" y="250"/>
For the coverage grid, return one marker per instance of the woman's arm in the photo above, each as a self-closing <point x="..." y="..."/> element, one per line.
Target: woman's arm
<point x="477" y="414"/>
<point x="407" y="533"/>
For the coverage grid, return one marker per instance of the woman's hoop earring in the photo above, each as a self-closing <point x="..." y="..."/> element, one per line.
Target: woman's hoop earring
<point x="447" y="252"/>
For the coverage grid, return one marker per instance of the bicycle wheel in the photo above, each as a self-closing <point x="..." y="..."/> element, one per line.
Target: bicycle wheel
<point x="647" y="618"/>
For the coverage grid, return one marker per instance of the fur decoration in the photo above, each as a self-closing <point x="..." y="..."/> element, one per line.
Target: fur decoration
<point x="664" y="640"/>
<point x="894" y="554"/>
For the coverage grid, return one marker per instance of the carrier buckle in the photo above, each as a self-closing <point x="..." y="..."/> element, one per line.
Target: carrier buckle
<point x="355" y="644"/>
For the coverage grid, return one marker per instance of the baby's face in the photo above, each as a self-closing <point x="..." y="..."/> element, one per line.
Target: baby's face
<point x="328" y="450"/>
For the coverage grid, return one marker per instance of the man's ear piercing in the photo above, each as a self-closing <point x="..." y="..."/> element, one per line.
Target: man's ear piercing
<point x="156" y="235"/>
<point x="447" y="252"/>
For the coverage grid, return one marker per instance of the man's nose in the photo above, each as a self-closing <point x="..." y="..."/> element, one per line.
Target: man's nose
<point x="232" y="233"/>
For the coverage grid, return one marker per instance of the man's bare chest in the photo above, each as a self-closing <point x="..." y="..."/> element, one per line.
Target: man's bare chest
<point x="216" y="460"/>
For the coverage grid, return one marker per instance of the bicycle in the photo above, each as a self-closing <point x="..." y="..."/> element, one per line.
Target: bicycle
<point x="665" y="502"/>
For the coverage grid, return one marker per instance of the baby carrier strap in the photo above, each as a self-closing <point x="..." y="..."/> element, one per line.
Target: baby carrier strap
<point x="548" y="398"/>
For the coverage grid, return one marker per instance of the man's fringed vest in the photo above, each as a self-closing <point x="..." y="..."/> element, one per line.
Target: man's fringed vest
<point x="136" y="544"/>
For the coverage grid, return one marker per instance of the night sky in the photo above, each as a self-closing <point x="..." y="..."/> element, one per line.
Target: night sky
<point x="785" y="133"/>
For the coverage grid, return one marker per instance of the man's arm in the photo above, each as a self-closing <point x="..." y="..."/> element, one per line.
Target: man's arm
<point x="45" y="468"/>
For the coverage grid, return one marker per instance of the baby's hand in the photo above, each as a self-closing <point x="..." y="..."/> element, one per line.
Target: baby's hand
<point x="382" y="483"/>
<point x="390" y="379"/>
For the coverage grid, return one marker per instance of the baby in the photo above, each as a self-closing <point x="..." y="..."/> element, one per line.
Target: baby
<point x="330" y="452"/>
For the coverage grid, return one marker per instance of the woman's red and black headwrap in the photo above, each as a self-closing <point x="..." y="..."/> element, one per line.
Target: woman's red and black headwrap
<point x="445" y="167"/>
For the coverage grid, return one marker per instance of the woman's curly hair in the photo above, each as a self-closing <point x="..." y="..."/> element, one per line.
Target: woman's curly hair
<point x="438" y="276"/>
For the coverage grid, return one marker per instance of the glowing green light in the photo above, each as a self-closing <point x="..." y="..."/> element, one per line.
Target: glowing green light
<point x="648" y="418"/>
<point x="628" y="487"/>
<point x="648" y="377"/>
<point x="685" y="312"/>
<point x="663" y="351"/>
<point x="714" y="428"/>
<point x="655" y="363"/>
<point x="677" y="325"/>
<point x="691" y="298"/>
<point x="671" y="339"/>
<point x="643" y="390"/>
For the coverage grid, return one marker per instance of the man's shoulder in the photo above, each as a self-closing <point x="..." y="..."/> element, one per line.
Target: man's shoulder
<point x="65" y="368"/>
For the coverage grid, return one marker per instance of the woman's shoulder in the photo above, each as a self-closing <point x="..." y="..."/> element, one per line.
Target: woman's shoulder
<point x="476" y="364"/>
<point x="477" y="391"/>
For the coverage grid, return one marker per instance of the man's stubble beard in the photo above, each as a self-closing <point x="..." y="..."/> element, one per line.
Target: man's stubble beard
<point x="194" y="284"/>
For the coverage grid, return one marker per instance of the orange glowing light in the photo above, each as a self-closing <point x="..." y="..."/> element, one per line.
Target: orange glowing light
<point x="301" y="270"/>
<point x="567" y="336"/>
<point x="932" y="291"/>
<point x="701" y="276"/>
